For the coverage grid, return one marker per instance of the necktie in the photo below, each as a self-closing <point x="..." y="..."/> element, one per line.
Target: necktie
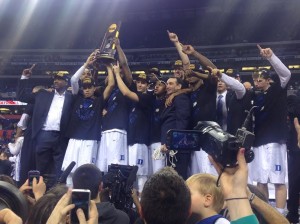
<point x="220" y="110"/>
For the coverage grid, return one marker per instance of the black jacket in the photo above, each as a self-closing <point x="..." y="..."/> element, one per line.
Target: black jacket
<point x="176" y="116"/>
<point x="42" y="101"/>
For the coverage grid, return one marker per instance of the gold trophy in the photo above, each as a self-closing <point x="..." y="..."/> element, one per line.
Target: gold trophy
<point x="108" y="48"/>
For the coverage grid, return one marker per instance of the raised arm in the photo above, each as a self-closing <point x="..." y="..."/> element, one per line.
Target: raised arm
<point x="204" y="61"/>
<point x="123" y="88"/>
<point x="282" y="71"/>
<point x="234" y="188"/>
<point x="22" y="94"/>
<point x="232" y="83"/>
<point x="75" y="78"/>
<point x="184" y="57"/>
<point x="110" y="82"/>
<point x="123" y="62"/>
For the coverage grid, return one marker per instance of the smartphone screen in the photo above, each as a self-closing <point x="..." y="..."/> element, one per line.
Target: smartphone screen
<point x="33" y="174"/>
<point x="183" y="140"/>
<point x="81" y="199"/>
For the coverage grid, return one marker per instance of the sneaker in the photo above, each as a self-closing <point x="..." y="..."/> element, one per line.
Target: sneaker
<point x="293" y="217"/>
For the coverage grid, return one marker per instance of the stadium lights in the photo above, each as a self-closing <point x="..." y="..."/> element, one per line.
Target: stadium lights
<point x="265" y="67"/>
<point x="248" y="68"/>
<point x="294" y="66"/>
<point x="138" y="72"/>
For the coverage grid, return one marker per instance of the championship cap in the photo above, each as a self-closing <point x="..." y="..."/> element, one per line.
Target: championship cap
<point x="88" y="82"/>
<point x="64" y="75"/>
<point x="142" y="76"/>
<point x="261" y="73"/>
<point x="178" y="64"/>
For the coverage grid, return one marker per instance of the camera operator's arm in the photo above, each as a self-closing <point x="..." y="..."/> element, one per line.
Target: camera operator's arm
<point x="282" y="71"/>
<point x="123" y="62"/>
<point x="269" y="213"/>
<point x="234" y="187"/>
<point x="184" y="57"/>
<point x="7" y="216"/>
<point x="232" y="83"/>
<point x="136" y="200"/>
<point x="204" y="61"/>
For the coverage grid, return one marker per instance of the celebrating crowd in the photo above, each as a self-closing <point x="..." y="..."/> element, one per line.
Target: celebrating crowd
<point x="127" y="121"/>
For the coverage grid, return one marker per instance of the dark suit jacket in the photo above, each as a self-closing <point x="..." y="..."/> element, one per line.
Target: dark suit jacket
<point x="176" y="116"/>
<point x="42" y="101"/>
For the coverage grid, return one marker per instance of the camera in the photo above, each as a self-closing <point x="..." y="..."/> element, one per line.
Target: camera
<point x="209" y="136"/>
<point x="13" y="199"/>
<point x="119" y="180"/>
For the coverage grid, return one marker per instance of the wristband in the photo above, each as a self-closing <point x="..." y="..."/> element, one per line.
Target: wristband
<point x="252" y="198"/>
<point x="230" y="199"/>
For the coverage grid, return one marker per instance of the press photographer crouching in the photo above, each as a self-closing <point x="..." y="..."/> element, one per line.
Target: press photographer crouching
<point x="208" y="135"/>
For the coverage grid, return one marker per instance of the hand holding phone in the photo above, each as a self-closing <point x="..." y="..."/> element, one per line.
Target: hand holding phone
<point x="81" y="199"/>
<point x="33" y="174"/>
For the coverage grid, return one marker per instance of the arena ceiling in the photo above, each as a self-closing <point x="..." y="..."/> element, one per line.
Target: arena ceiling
<point x="54" y="24"/>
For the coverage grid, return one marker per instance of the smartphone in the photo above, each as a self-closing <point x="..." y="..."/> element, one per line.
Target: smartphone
<point x="81" y="198"/>
<point x="183" y="140"/>
<point x="33" y="174"/>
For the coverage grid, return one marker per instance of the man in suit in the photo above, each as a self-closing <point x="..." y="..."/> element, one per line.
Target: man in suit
<point x="176" y="116"/>
<point x="49" y="121"/>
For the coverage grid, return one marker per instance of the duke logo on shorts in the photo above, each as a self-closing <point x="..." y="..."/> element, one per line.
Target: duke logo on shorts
<point x="140" y="162"/>
<point x="277" y="167"/>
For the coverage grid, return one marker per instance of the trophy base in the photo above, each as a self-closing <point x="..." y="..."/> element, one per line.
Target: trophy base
<point x="106" y="59"/>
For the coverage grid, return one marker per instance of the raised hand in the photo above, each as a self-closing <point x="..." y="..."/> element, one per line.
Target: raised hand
<point x="265" y="52"/>
<point x="116" y="68"/>
<point x="93" y="218"/>
<point x="62" y="208"/>
<point x="28" y="71"/>
<point x="214" y="72"/>
<point x="116" y="41"/>
<point x="92" y="58"/>
<point x="172" y="36"/>
<point x="233" y="180"/>
<point x="38" y="188"/>
<point x="188" y="49"/>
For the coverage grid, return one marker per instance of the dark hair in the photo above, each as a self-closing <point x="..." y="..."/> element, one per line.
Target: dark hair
<point x="7" y="179"/>
<point x="88" y="176"/>
<point x="261" y="73"/>
<point x="165" y="198"/>
<point x="43" y="208"/>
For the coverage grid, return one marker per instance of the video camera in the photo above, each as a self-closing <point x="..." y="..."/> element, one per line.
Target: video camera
<point x="209" y="136"/>
<point x="119" y="180"/>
